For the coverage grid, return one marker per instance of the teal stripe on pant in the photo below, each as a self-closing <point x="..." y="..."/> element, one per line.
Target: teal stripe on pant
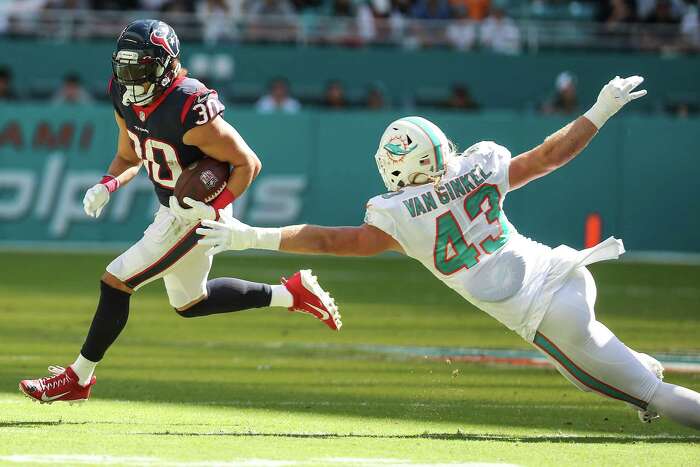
<point x="587" y="380"/>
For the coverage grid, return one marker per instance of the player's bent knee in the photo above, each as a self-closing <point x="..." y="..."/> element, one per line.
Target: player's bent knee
<point x="187" y="310"/>
<point x="115" y="283"/>
<point x="184" y="312"/>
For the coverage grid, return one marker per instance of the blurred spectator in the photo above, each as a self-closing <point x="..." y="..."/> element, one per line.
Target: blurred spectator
<point x="278" y="99"/>
<point x="616" y="16"/>
<point x="645" y="8"/>
<point x="66" y="4"/>
<point x="375" y="97"/>
<point x="342" y="8"/>
<point x="690" y="25"/>
<point x="334" y="96"/>
<point x="216" y="17"/>
<point x="431" y="9"/>
<point x="476" y="10"/>
<point x="461" y="33"/>
<point x="565" y="100"/>
<point x="354" y="23"/>
<point x="178" y="6"/>
<point x="72" y="92"/>
<point x="271" y="20"/>
<point x="400" y="10"/>
<point x="366" y="27"/>
<point x="499" y="33"/>
<point x="152" y="5"/>
<point x="663" y="33"/>
<point x="461" y="99"/>
<point x="6" y="91"/>
<point x="271" y="8"/>
<point x="614" y="12"/>
<point x="663" y="13"/>
<point x="115" y="4"/>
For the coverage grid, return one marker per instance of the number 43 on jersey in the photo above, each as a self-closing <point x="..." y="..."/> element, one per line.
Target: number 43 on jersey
<point x="452" y="251"/>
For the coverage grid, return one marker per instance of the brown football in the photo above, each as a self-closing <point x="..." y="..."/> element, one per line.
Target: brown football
<point x="202" y="180"/>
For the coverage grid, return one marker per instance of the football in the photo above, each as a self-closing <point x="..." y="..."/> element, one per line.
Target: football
<point x="202" y="180"/>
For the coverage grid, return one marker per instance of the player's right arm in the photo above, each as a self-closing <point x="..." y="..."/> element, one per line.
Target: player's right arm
<point x="126" y="162"/>
<point x="232" y="234"/>
<point x="562" y="146"/>
<point x="122" y="170"/>
<point x="365" y="240"/>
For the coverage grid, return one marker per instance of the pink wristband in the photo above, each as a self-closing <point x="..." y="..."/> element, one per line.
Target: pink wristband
<point x="223" y="200"/>
<point x="110" y="182"/>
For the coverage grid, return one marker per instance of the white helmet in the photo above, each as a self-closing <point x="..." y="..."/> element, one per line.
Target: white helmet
<point x="412" y="150"/>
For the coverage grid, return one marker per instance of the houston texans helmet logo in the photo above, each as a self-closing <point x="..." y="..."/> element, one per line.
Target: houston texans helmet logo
<point x="164" y="37"/>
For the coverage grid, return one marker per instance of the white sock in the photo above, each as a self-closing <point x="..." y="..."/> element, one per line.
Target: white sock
<point x="281" y="296"/>
<point x="84" y="368"/>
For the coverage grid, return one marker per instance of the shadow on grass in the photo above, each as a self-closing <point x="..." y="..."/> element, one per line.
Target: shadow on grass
<point x="459" y="436"/>
<point x="491" y="398"/>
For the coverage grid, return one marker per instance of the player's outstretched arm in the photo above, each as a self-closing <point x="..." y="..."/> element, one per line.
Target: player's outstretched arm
<point x="232" y="234"/>
<point x="364" y="240"/>
<point x="562" y="146"/>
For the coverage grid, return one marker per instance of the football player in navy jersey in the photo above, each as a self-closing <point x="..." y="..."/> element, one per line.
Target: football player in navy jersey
<point x="166" y="122"/>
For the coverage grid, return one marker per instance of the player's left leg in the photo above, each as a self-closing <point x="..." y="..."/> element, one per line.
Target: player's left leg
<point x="589" y="355"/>
<point x="192" y="295"/>
<point x="586" y="352"/>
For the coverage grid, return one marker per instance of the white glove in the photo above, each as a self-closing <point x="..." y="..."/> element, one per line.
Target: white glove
<point x="232" y="234"/>
<point x="613" y="97"/>
<point x="197" y="210"/>
<point x="95" y="200"/>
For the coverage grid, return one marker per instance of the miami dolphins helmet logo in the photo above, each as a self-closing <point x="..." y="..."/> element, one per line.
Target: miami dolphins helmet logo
<point x="398" y="147"/>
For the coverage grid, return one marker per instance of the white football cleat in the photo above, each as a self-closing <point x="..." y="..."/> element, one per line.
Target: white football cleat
<point x="655" y="366"/>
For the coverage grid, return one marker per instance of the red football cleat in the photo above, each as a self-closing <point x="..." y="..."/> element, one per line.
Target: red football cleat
<point x="61" y="387"/>
<point x="310" y="298"/>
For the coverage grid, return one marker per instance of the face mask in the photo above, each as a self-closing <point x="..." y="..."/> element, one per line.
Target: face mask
<point x="137" y="94"/>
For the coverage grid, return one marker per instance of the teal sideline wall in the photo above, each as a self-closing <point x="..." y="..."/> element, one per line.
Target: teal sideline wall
<point x="496" y="81"/>
<point x="640" y="174"/>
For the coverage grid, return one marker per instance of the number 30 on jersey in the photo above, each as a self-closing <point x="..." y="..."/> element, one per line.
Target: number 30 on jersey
<point x="160" y="159"/>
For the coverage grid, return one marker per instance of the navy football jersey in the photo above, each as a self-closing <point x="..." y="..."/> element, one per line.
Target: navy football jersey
<point x="156" y="130"/>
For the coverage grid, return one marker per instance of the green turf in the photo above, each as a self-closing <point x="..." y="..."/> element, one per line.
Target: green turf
<point x="270" y="385"/>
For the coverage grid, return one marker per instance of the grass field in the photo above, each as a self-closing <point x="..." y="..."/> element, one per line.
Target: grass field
<point x="270" y="388"/>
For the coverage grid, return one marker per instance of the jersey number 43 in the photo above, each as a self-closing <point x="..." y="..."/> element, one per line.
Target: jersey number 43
<point x="452" y="251"/>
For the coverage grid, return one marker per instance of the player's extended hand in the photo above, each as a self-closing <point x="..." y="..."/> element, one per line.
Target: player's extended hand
<point x="197" y="210"/>
<point x="227" y="234"/>
<point x="95" y="200"/>
<point x="613" y="96"/>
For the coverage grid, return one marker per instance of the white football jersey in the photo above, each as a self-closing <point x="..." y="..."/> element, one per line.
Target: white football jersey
<point x="458" y="230"/>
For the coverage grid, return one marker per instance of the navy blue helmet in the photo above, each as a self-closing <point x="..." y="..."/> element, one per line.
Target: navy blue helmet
<point x="144" y="62"/>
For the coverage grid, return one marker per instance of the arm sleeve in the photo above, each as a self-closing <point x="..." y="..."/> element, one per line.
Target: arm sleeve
<point x="501" y="158"/>
<point x="200" y="108"/>
<point x="494" y="160"/>
<point x="379" y="218"/>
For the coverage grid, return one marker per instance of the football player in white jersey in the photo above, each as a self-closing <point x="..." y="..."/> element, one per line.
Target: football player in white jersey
<point x="446" y="210"/>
